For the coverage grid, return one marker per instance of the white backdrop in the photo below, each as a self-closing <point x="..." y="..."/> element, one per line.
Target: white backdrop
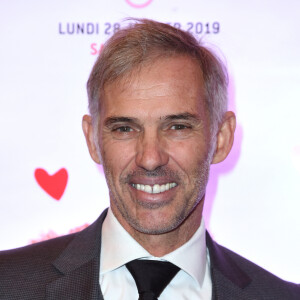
<point x="47" y="50"/>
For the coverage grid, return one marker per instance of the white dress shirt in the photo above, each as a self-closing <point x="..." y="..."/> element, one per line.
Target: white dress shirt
<point x="192" y="282"/>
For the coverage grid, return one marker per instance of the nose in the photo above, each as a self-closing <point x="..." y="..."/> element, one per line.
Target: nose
<point x="151" y="151"/>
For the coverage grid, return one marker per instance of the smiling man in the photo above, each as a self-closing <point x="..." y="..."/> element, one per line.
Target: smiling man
<point x="155" y="143"/>
<point x="159" y="119"/>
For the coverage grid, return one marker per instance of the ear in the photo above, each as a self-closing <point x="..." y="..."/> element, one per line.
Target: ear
<point x="225" y="137"/>
<point x="88" y="131"/>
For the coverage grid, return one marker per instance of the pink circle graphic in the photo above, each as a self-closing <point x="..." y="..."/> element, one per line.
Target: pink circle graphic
<point x="138" y="5"/>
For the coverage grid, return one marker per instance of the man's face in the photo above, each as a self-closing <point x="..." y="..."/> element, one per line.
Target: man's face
<point x="155" y="143"/>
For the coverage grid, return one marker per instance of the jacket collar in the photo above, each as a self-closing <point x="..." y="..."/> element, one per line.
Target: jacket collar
<point x="79" y="265"/>
<point x="228" y="278"/>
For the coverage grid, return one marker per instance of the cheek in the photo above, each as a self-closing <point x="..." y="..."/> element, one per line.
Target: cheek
<point x="117" y="155"/>
<point x="188" y="153"/>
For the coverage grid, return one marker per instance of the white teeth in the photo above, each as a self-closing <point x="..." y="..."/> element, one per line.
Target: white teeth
<point x="148" y="189"/>
<point x="156" y="189"/>
<point x="162" y="188"/>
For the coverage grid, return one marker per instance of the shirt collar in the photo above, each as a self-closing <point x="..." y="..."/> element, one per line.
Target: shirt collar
<point x="193" y="251"/>
<point x="119" y="247"/>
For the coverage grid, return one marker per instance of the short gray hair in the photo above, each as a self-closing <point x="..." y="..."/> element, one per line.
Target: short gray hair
<point x="144" y="41"/>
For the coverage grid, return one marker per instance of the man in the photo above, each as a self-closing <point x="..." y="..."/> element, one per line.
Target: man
<point x="158" y="120"/>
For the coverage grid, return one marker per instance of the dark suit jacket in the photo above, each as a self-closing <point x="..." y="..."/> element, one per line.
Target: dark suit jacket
<point x="68" y="268"/>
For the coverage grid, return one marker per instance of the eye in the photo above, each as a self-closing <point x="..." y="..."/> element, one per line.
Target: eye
<point x="124" y="132"/>
<point x="179" y="127"/>
<point x="179" y="130"/>
<point x="123" y="129"/>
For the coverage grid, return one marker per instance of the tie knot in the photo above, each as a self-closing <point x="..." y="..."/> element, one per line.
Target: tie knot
<point x="151" y="276"/>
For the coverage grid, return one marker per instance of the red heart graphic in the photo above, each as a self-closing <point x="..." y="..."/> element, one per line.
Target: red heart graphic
<point x="55" y="184"/>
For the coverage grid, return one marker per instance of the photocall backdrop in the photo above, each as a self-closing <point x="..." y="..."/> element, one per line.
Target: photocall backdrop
<point x="49" y="184"/>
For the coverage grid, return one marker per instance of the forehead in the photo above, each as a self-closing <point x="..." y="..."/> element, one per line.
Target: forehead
<point x="167" y="84"/>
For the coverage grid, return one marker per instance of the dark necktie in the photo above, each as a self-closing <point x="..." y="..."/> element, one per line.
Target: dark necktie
<point x="151" y="277"/>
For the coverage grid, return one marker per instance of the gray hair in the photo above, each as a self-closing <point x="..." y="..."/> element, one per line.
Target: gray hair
<point x="147" y="40"/>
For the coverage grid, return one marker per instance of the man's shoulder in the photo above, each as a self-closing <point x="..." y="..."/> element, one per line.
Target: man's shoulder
<point x="50" y="249"/>
<point x="34" y="258"/>
<point x="25" y="271"/>
<point x="249" y="277"/>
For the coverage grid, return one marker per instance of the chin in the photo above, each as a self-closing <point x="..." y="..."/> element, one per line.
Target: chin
<point x="155" y="228"/>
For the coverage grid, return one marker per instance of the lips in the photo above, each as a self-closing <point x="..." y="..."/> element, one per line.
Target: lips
<point x="154" y="189"/>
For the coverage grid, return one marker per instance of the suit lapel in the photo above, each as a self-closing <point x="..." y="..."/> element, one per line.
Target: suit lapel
<point x="227" y="278"/>
<point x="79" y="266"/>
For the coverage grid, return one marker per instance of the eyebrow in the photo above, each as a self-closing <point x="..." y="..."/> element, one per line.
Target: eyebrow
<point x="182" y="116"/>
<point x="113" y="120"/>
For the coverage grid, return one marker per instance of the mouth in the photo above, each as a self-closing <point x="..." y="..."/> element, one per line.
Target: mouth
<point x="154" y="189"/>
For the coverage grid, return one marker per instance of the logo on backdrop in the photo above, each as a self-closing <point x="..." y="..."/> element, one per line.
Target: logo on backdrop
<point x="107" y="29"/>
<point x="138" y="3"/>
<point x="54" y="185"/>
